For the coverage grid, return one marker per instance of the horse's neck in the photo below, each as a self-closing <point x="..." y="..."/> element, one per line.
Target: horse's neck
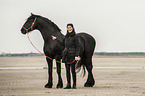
<point x="47" y="32"/>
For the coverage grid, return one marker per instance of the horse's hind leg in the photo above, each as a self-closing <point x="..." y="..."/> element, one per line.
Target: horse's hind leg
<point x="60" y="83"/>
<point x="50" y="70"/>
<point x="90" y="80"/>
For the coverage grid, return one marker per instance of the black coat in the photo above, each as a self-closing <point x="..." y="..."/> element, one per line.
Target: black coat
<point x="71" y="49"/>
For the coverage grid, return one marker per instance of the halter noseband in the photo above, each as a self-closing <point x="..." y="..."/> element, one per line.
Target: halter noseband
<point x="31" y="26"/>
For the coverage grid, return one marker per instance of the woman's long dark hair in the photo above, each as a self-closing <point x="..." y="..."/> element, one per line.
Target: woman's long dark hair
<point x="72" y="33"/>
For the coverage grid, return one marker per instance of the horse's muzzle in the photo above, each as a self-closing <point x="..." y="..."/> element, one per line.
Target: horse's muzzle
<point x="23" y="31"/>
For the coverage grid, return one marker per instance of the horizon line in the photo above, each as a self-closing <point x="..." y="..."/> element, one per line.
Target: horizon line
<point x="94" y="52"/>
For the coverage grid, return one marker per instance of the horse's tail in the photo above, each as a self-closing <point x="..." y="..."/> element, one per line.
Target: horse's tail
<point x="79" y="66"/>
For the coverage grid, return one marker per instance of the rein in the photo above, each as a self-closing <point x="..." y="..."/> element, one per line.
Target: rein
<point x="36" y="47"/>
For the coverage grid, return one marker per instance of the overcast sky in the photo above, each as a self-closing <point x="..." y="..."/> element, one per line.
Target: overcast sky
<point x="117" y="25"/>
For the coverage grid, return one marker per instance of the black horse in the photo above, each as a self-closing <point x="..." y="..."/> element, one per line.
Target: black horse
<point x="54" y="50"/>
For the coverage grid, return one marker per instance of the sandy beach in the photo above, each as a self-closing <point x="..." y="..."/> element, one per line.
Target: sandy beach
<point x="114" y="76"/>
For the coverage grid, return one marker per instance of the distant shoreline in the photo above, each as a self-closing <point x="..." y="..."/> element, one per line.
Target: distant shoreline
<point x="96" y="54"/>
<point x="119" y="53"/>
<point x="19" y="54"/>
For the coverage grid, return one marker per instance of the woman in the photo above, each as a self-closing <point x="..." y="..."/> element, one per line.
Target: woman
<point x="70" y="54"/>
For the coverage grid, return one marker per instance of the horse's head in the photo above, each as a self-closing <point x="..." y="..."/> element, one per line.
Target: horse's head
<point x="29" y="25"/>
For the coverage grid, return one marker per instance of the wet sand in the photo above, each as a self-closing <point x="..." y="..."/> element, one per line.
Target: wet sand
<point x="114" y="76"/>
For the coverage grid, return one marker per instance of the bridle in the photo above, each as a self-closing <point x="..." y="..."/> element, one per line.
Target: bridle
<point x="31" y="27"/>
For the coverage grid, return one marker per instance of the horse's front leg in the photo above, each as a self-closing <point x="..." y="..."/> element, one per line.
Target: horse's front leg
<point x="50" y="70"/>
<point x="60" y="82"/>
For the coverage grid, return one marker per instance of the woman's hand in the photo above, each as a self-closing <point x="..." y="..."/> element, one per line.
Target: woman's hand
<point x="53" y="37"/>
<point x="77" y="58"/>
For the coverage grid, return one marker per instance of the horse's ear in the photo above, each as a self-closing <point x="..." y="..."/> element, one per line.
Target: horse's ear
<point x="32" y="14"/>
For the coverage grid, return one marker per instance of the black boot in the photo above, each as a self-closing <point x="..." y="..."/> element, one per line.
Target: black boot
<point x="68" y="86"/>
<point x="73" y="75"/>
<point x="74" y="86"/>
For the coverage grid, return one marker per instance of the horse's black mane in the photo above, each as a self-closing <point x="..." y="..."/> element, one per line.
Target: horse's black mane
<point x="47" y="20"/>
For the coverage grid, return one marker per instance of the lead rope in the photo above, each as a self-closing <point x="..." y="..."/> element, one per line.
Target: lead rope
<point x="36" y="47"/>
<point x="43" y="53"/>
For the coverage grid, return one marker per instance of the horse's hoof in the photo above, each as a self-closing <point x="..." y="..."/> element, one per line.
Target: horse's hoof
<point x="88" y="84"/>
<point x="59" y="86"/>
<point x="74" y="87"/>
<point x="68" y="87"/>
<point x="48" y="85"/>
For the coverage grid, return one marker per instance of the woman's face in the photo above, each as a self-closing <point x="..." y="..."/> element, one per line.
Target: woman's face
<point x="69" y="29"/>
